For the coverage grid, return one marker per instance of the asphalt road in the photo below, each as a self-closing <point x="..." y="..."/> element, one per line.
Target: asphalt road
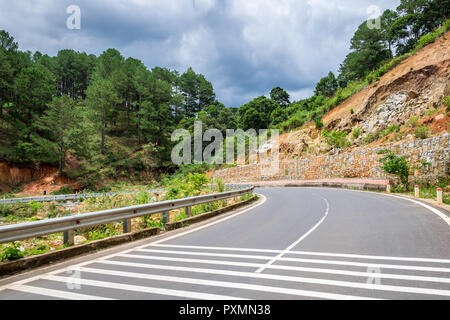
<point x="297" y="243"/>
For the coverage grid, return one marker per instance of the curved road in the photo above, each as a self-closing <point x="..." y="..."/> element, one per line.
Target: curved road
<point x="296" y="243"/>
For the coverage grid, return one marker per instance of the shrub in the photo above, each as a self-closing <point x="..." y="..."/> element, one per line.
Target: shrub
<point x="356" y="133"/>
<point x="422" y="132"/>
<point x="319" y="123"/>
<point x="352" y="111"/>
<point x="447" y="102"/>
<point x="413" y="122"/>
<point x="398" y="166"/>
<point x="336" y="139"/>
<point x="220" y="185"/>
<point x="391" y="129"/>
<point x="12" y="251"/>
<point x="371" y="137"/>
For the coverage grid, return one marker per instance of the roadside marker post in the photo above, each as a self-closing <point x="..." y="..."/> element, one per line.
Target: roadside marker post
<point x="388" y="187"/>
<point x="69" y="237"/>
<point x="188" y="211"/>
<point x="416" y="191"/>
<point x="165" y="217"/>
<point x="126" y="225"/>
<point x="439" y="195"/>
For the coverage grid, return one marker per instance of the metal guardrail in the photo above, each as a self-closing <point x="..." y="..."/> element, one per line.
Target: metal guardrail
<point x="64" y="197"/>
<point x="71" y="196"/>
<point x="69" y="224"/>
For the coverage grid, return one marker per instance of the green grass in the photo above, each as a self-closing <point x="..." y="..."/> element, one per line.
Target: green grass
<point x="430" y="193"/>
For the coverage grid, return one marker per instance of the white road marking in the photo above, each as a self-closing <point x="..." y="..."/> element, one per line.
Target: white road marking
<point x="226" y="284"/>
<point x="318" y="261"/>
<point x="161" y="291"/>
<point x="269" y="276"/>
<point x="307" y="253"/>
<point x="56" y="293"/>
<point x="435" y="211"/>
<point x="278" y="257"/>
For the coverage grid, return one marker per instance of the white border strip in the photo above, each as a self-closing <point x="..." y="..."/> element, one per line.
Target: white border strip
<point x="56" y="293"/>
<point x="208" y="283"/>
<point x="318" y="261"/>
<point x="308" y="253"/>
<point x="245" y="286"/>
<point x="151" y="290"/>
<point x="271" y="276"/>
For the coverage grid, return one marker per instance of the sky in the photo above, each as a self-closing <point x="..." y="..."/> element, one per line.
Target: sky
<point x="243" y="47"/>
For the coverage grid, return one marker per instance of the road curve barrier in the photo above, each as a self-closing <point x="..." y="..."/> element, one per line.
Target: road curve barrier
<point x="69" y="224"/>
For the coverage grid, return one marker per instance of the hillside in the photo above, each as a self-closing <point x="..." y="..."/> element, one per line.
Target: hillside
<point x="409" y="96"/>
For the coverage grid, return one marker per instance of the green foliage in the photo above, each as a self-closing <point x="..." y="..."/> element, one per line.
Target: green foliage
<point x="370" y="137"/>
<point x="220" y="185"/>
<point x="389" y="130"/>
<point x="356" y="133"/>
<point x="280" y="96"/>
<point x="327" y="86"/>
<point x="12" y="251"/>
<point x="319" y="123"/>
<point x="447" y="102"/>
<point x="422" y="132"/>
<point x="396" y="165"/>
<point x="256" y="114"/>
<point x="336" y="139"/>
<point x="63" y="190"/>
<point x="142" y="197"/>
<point x="413" y="122"/>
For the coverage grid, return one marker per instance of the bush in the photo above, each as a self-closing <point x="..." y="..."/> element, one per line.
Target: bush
<point x="398" y="166"/>
<point x="336" y="139"/>
<point x="12" y="251"/>
<point x="371" y="137"/>
<point x="63" y="190"/>
<point x="220" y="185"/>
<point x="413" y="122"/>
<point x="422" y="132"/>
<point x="319" y="123"/>
<point x="391" y="129"/>
<point x="447" y="102"/>
<point x="356" y="133"/>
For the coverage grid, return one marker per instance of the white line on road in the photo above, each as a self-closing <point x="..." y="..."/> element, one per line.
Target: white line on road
<point x="302" y="269"/>
<point x="319" y="261"/>
<point x="239" y="285"/>
<point x="151" y="290"/>
<point x="365" y="265"/>
<point x="225" y="284"/>
<point x="278" y="257"/>
<point x="307" y="253"/>
<point x="56" y="293"/>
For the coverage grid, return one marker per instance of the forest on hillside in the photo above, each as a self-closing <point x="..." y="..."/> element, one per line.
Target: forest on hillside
<point x="109" y="116"/>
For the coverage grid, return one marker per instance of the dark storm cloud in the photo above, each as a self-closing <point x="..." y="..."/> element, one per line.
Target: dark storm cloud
<point x="244" y="47"/>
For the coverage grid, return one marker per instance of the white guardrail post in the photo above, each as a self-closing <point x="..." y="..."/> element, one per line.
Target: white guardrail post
<point x="439" y="195"/>
<point x="416" y="191"/>
<point x="68" y="224"/>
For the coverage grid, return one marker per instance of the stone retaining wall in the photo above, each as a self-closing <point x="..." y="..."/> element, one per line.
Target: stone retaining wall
<point x="360" y="163"/>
